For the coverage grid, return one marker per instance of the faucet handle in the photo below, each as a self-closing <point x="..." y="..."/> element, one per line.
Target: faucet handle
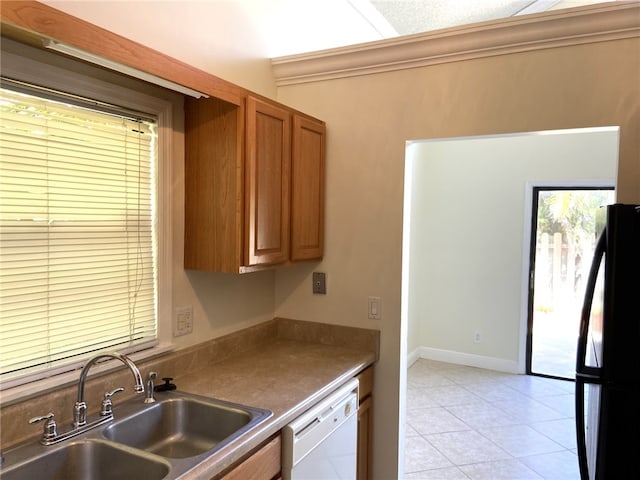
<point x="107" y="405"/>
<point x="50" y="429"/>
<point x="110" y="394"/>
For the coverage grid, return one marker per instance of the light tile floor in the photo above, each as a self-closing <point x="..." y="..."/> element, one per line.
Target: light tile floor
<point x="470" y="423"/>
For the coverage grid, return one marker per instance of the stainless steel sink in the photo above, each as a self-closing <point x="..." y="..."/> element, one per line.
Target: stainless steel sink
<point x="88" y="460"/>
<point x="161" y="440"/>
<point x="179" y="427"/>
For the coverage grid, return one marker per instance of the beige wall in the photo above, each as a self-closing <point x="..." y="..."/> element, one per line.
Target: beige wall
<point x="369" y="119"/>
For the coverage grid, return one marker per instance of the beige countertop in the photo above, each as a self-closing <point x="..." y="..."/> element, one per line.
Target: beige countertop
<point x="282" y="365"/>
<point x="285" y="376"/>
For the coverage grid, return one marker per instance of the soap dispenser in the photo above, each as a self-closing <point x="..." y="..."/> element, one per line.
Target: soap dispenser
<point x="166" y="386"/>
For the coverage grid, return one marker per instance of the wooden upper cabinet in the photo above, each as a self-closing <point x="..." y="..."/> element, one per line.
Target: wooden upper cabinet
<point x="214" y="185"/>
<point x="254" y="185"/>
<point x="267" y="180"/>
<point x="307" y="189"/>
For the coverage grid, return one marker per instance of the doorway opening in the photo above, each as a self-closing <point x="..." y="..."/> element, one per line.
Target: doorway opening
<point x="563" y="238"/>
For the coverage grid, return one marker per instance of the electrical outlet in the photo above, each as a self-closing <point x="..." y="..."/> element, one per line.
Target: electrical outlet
<point x="183" y="321"/>
<point x="477" y="336"/>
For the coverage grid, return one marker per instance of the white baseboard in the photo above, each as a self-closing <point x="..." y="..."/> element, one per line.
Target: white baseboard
<point x="459" y="358"/>
<point x="413" y="356"/>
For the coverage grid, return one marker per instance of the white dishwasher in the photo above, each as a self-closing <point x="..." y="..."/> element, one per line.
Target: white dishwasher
<point x="321" y="444"/>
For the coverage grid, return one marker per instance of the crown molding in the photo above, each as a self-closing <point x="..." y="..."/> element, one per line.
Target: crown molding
<point x="559" y="28"/>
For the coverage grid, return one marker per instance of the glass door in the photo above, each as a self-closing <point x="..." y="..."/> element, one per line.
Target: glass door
<point x="564" y="235"/>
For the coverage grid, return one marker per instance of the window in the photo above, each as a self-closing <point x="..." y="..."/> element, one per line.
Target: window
<point x="78" y="270"/>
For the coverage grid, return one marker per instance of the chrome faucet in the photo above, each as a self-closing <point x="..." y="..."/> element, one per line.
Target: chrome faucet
<point x="80" y="408"/>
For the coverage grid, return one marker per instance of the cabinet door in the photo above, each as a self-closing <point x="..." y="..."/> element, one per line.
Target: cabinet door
<point x="365" y="418"/>
<point x="264" y="464"/>
<point x="267" y="179"/>
<point x="214" y="185"/>
<point x="307" y="189"/>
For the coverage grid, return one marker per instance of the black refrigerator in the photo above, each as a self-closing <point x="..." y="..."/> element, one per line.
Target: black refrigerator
<point x="608" y="356"/>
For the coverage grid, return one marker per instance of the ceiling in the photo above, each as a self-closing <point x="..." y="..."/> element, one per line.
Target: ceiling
<point x="206" y="32"/>
<point x="291" y="27"/>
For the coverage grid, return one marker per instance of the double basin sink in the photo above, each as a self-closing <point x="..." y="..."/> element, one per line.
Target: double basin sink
<point x="161" y="440"/>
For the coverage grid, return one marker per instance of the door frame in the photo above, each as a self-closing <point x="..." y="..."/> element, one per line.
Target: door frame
<point x="526" y="303"/>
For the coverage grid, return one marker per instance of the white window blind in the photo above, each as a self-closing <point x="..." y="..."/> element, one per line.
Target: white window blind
<point x="77" y="233"/>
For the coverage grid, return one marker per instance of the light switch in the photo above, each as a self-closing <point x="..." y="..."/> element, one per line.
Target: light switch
<point x="375" y="307"/>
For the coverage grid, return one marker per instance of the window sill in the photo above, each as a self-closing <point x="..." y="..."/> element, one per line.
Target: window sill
<point x="39" y="387"/>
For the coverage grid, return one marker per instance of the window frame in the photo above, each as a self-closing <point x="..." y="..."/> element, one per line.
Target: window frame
<point x="43" y="68"/>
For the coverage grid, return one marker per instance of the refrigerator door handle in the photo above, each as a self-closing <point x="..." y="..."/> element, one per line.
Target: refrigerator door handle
<point x="581" y="445"/>
<point x="583" y="334"/>
<point x="586" y="374"/>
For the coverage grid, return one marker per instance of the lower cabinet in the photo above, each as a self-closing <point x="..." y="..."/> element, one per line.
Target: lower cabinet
<point x="365" y="424"/>
<point x="261" y="464"/>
